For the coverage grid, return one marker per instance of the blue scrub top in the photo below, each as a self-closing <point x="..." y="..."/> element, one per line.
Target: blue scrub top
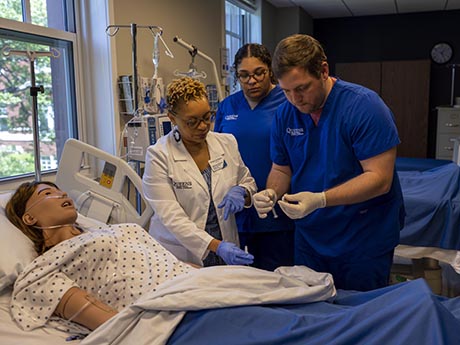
<point x="251" y="128"/>
<point x="355" y="125"/>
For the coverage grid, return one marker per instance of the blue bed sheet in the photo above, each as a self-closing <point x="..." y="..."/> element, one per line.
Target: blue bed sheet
<point x="419" y="164"/>
<point x="407" y="313"/>
<point x="432" y="201"/>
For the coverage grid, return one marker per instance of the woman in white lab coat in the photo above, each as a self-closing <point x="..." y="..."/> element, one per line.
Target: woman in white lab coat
<point x="195" y="180"/>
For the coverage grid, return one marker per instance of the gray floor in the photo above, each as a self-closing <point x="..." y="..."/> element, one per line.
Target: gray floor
<point x="442" y="278"/>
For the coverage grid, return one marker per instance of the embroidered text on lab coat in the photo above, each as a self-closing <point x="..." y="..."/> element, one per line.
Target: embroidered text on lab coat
<point x="182" y="185"/>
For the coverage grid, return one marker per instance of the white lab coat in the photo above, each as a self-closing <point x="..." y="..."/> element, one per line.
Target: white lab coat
<point x="176" y="190"/>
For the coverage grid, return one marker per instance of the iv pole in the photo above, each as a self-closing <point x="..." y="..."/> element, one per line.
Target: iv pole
<point x="32" y="55"/>
<point x="112" y="30"/>
<point x="194" y="51"/>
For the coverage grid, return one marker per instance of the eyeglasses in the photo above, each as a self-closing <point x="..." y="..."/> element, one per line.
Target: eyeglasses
<point x="258" y="75"/>
<point x="194" y="122"/>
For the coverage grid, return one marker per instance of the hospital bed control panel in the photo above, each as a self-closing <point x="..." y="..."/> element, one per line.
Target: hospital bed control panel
<point x="144" y="131"/>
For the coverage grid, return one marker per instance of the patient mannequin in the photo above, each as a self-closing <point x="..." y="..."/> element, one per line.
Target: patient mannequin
<point x="88" y="275"/>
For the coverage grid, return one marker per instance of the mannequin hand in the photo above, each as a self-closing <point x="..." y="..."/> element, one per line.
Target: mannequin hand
<point x="233" y="255"/>
<point x="302" y="204"/>
<point x="233" y="201"/>
<point x="264" y="202"/>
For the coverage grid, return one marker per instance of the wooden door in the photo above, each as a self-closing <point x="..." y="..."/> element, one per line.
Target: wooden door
<point x="405" y="87"/>
<point x="367" y="74"/>
<point x="406" y="90"/>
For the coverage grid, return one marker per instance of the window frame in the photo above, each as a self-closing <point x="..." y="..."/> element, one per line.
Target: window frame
<point x="76" y="119"/>
<point x="250" y="32"/>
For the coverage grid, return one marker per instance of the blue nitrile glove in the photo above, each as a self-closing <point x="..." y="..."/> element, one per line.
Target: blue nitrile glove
<point x="233" y="255"/>
<point x="233" y="201"/>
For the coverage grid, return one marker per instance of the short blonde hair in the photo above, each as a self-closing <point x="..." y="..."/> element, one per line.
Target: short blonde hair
<point x="183" y="90"/>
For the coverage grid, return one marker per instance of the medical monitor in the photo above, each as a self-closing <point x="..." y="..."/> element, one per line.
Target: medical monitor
<point x="143" y="132"/>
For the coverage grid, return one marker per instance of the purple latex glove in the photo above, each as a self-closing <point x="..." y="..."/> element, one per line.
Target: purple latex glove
<point x="233" y="201"/>
<point x="233" y="255"/>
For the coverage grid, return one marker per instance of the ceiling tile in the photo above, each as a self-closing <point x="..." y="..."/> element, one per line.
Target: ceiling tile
<point x="408" y="6"/>
<point x="370" y="8"/>
<point x="323" y="8"/>
<point x="281" y="3"/>
<point x="346" y="8"/>
<point x="453" y="5"/>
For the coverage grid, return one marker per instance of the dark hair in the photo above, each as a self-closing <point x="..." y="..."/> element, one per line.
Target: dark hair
<point x="16" y="207"/>
<point x="298" y="51"/>
<point x="255" y="50"/>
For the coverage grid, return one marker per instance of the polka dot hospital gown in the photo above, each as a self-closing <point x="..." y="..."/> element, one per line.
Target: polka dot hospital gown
<point x="116" y="264"/>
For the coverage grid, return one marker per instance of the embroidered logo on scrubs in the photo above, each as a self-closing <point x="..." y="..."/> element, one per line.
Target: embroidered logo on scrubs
<point x="295" y="131"/>
<point x="231" y="117"/>
<point x="182" y="185"/>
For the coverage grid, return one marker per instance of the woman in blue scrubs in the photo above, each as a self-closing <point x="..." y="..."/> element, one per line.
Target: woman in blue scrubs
<point x="333" y="148"/>
<point x="248" y="115"/>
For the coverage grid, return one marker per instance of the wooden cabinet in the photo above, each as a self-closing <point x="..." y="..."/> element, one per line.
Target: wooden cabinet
<point x="447" y="131"/>
<point x="405" y="88"/>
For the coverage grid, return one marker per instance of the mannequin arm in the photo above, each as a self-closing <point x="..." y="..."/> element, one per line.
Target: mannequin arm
<point x="79" y="306"/>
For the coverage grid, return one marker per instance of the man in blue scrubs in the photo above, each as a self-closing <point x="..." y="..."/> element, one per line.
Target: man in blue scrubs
<point x="248" y="115"/>
<point x="333" y="148"/>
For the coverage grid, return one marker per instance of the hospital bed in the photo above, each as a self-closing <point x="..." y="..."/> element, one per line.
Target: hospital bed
<point x="405" y="313"/>
<point x="431" y="191"/>
<point x="104" y="187"/>
<point x="105" y="190"/>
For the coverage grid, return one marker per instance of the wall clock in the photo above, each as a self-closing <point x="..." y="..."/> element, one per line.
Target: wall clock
<point x="441" y="53"/>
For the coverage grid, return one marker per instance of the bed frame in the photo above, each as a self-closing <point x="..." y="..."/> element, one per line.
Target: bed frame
<point x="107" y="189"/>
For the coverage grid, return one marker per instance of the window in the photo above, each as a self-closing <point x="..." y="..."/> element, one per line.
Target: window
<point x="56" y="14"/>
<point x="241" y="27"/>
<point x="34" y="27"/>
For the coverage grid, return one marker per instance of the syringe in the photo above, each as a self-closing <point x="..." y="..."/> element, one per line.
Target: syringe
<point x="275" y="215"/>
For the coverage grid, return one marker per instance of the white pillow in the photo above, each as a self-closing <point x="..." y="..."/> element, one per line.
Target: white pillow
<point x="16" y="250"/>
<point x="88" y="223"/>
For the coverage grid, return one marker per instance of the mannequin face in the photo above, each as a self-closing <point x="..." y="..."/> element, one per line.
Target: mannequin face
<point x="258" y="85"/>
<point x="49" y="206"/>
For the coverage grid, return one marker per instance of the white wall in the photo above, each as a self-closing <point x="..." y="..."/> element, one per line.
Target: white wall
<point x="197" y="22"/>
<point x="278" y="23"/>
